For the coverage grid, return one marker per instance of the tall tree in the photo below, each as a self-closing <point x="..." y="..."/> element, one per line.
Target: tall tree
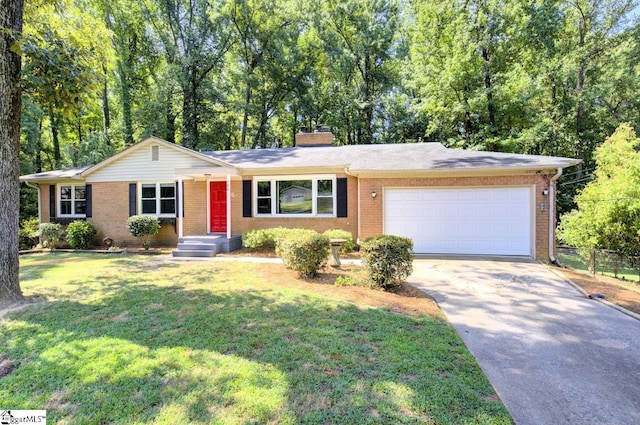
<point x="195" y="37"/>
<point x="11" y="12"/>
<point x="361" y="43"/>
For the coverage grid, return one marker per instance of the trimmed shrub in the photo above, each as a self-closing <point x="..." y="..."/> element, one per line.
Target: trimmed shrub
<point x="51" y="234"/>
<point x="304" y="251"/>
<point x="263" y="238"/>
<point x="348" y="246"/>
<point x="387" y="259"/>
<point x="80" y="233"/>
<point x="256" y="238"/>
<point x="282" y="233"/>
<point x="143" y="227"/>
<point x="28" y="233"/>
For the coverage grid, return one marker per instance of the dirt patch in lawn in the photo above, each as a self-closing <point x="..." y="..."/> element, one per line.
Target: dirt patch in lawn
<point x="405" y="299"/>
<point x="623" y="293"/>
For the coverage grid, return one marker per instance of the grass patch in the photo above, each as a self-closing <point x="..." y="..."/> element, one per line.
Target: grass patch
<point x="570" y="258"/>
<point x="139" y="339"/>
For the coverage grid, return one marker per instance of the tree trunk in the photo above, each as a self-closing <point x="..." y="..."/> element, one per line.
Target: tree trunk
<point x="79" y="127"/>
<point x="38" y="147"/>
<point x="245" y="118"/>
<point x="105" y="104"/>
<point x="57" y="157"/>
<point x="170" y="134"/>
<point x="190" y="109"/>
<point x="10" y="105"/>
<point x="126" y="103"/>
<point x="491" y="107"/>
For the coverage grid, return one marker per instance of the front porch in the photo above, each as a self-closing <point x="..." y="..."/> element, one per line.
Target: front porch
<point x="206" y="245"/>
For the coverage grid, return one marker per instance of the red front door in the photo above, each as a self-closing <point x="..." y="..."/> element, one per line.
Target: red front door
<point x="218" y="207"/>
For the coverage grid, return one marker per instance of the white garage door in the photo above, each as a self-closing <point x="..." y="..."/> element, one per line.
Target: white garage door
<point x="493" y="221"/>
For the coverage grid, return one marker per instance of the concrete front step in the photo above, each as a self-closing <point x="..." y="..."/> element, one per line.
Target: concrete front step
<point x="212" y="239"/>
<point x="207" y="242"/>
<point x="198" y="246"/>
<point x="193" y="253"/>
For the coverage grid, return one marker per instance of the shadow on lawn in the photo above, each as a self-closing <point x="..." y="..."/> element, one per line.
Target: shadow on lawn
<point x="147" y="351"/>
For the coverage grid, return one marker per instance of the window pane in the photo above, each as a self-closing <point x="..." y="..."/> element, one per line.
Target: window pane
<point x="80" y="192"/>
<point x="65" y="207"/>
<point x="325" y="205"/>
<point x="167" y="206"/>
<point x="264" y="205"/>
<point x="149" y="206"/>
<point x="81" y="207"/>
<point x="264" y="188"/>
<point x="148" y="191"/>
<point x="167" y="191"/>
<point x="325" y="187"/>
<point x="294" y="197"/>
<point x="65" y="192"/>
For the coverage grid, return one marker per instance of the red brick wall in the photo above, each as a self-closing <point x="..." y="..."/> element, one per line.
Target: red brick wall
<point x="241" y="224"/>
<point x="111" y="208"/>
<point x="44" y="203"/>
<point x="195" y="208"/>
<point x="371" y="214"/>
<point x="111" y="212"/>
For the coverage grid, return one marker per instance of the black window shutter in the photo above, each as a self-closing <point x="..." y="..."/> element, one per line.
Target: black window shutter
<point x="176" y="197"/>
<point x="132" y="199"/>
<point x="52" y="201"/>
<point x="341" y="192"/>
<point x="178" y="212"/>
<point x="87" y="195"/>
<point x="246" y="198"/>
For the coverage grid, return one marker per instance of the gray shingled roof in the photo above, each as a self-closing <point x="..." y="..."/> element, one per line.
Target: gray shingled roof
<point x="67" y="173"/>
<point x="388" y="157"/>
<point x="409" y="157"/>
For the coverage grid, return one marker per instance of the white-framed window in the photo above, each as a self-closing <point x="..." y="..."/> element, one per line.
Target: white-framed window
<point x="295" y="196"/>
<point x="72" y="200"/>
<point x="158" y="199"/>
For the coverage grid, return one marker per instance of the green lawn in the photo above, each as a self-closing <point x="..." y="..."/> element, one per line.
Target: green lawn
<point x="141" y="339"/>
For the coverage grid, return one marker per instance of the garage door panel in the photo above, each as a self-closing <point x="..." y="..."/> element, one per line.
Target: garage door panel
<point x="462" y="221"/>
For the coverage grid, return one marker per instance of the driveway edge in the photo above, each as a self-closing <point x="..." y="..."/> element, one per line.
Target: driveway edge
<point x="586" y="294"/>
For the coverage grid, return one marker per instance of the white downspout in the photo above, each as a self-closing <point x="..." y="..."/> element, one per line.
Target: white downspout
<point x="181" y="207"/>
<point x="552" y="214"/>
<point x="37" y="187"/>
<point x="228" y="206"/>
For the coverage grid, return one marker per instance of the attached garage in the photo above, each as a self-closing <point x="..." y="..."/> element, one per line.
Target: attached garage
<point x="490" y="221"/>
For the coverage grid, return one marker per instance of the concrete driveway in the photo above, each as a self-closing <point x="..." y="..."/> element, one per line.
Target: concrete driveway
<point x="553" y="356"/>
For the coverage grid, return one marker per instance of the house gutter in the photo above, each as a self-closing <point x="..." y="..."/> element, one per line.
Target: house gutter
<point x="37" y="187"/>
<point x="552" y="209"/>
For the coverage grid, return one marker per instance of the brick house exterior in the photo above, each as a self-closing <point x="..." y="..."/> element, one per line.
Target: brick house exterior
<point x="351" y="187"/>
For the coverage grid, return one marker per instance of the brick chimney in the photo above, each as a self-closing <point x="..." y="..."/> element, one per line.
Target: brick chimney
<point x="322" y="136"/>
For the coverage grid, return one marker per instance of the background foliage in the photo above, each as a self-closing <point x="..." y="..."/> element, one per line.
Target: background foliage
<point x="551" y="77"/>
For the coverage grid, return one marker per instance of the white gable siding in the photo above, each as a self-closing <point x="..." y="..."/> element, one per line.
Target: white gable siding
<point x="138" y="166"/>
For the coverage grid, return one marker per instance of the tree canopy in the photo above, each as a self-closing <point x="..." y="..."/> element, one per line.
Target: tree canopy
<point x="550" y="77"/>
<point x="608" y="214"/>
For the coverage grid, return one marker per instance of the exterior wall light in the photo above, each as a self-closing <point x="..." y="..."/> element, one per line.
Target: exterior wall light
<point x="545" y="191"/>
<point x="374" y="194"/>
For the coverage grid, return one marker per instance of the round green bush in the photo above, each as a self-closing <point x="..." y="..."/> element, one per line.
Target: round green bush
<point x="387" y="259"/>
<point x="304" y="251"/>
<point x="80" y="233"/>
<point x="143" y="227"/>
<point x="51" y="234"/>
<point x="28" y="233"/>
